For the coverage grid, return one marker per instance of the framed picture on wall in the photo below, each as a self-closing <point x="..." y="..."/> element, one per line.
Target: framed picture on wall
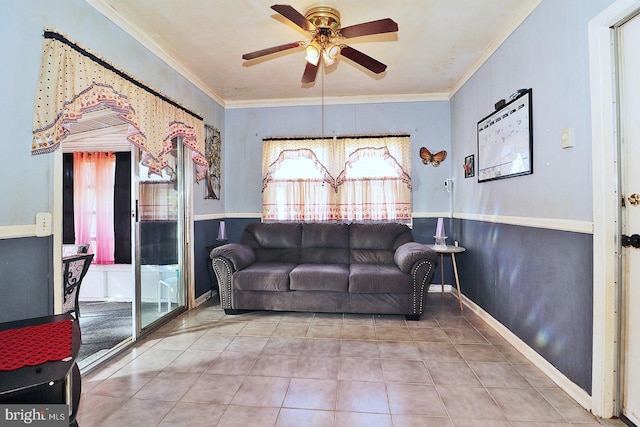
<point x="212" y="148"/>
<point x="505" y="140"/>
<point x="469" y="166"/>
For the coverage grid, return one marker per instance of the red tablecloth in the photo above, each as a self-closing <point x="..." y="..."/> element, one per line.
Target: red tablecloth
<point x="34" y="345"/>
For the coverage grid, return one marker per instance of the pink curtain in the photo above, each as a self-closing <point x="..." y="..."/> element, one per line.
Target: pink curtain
<point x="105" y="164"/>
<point x="93" y="184"/>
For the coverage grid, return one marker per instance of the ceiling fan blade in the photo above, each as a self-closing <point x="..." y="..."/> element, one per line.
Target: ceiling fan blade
<point x="270" y="50"/>
<point x="380" y="26"/>
<point x="310" y="72"/>
<point x="365" y="60"/>
<point x="294" y="16"/>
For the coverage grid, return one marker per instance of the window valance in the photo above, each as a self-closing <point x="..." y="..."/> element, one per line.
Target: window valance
<point x="334" y="155"/>
<point x="346" y="178"/>
<point x="74" y="81"/>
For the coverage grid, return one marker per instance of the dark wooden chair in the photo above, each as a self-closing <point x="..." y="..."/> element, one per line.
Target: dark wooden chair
<point x="74" y="268"/>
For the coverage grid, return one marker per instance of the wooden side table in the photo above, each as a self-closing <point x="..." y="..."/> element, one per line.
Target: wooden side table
<point x="452" y="250"/>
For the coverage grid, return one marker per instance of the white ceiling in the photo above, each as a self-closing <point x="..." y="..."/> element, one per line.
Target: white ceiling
<point x="439" y="44"/>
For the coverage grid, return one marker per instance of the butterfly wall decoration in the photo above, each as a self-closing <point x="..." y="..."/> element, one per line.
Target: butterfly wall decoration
<point x="435" y="159"/>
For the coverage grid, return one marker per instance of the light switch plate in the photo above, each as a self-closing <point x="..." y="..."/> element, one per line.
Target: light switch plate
<point x="567" y="137"/>
<point x="43" y="224"/>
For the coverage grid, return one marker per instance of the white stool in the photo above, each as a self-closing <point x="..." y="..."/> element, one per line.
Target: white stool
<point x="170" y="283"/>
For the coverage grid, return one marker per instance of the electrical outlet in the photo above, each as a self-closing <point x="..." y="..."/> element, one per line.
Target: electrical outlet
<point x="43" y="224"/>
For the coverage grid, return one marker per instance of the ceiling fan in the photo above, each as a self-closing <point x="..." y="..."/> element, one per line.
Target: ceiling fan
<point x="323" y="23"/>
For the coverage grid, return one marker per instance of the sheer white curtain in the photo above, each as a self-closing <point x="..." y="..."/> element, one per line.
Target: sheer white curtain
<point x="353" y="178"/>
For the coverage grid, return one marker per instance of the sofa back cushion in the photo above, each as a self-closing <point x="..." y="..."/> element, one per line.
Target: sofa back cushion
<point x="376" y="243"/>
<point x="324" y="243"/>
<point x="279" y="242"/>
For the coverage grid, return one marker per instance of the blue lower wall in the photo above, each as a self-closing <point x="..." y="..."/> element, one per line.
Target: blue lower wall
<point x="539" y="284"/>
<point x="26" y="278"/>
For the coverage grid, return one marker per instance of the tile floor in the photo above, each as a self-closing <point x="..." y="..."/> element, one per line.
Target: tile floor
<point x="315" y="370"/>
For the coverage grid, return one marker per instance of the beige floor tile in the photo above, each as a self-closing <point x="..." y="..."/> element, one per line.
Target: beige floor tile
<point x="278" y="345"/>
<point x="359" y="332"/>
<point x="405" y="371"/>
<point x="361" y="396"/>
<point x="186" y="414"/>
<point x="384" y="333"/>
<point x="452" y="373"/>
<point x="193" y="361"/>
<point x="498" y="374"/>
<point x="212" y="388"/>
<point x="261" y="391"/>
<point x="289" y="417"/>
<point x="325" y="331"/>
<point x="138" y="412"/>
<point x="122" y="384"/>
<point x="211" y="342"/>
<point x="442" y="352"/>
<point x="311" y="394"/>
<point x="274" y="365"/>
<point x="480" y="353"/>
<point x="429" y="335"/>
<point x="525" y="404"/>
<point x="360" y="369"/>
<point x="353" y="348"/>
<point x="291" y="330"/>
<point x="415" y="399"/>
<point x="400" y="420"/>
<point x="318" y="347"/>
<point x="359" y="419"/>
<point x="247" y="344"/>
<point x="167" y="386"/>
<point x="233" y="363"/>
<point x="95" y="408"/>
<point x="469" y="403"/>
<point x="247" y="416"/>
<point x="399" y="350"/>
<point x="317" y="367"/>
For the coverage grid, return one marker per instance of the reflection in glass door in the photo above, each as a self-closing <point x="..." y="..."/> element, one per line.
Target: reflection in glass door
<point x="159" y="289"/>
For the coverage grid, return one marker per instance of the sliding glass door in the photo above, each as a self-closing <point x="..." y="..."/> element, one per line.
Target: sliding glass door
<point x="160" y="246"/>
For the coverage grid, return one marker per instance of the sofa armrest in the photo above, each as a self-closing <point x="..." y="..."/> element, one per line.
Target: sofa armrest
<point x="238" y="254"/>
<point x="409" y="253"/>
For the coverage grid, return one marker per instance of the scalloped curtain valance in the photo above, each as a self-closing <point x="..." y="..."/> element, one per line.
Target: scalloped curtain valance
<point x="74" y="81"/>
<point x="330" y="185"/>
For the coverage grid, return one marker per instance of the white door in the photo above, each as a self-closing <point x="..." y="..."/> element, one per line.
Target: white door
<point x="629" y="94"/>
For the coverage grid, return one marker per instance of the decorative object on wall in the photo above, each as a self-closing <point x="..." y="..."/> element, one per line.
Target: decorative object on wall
<point x="434" y="159"/>
<point x="469" y="166"/>
<point x="505" y="140"/>
<point x="212" y="148"/>
<point x="327" y="37"/>
<point x="440" y="237"/>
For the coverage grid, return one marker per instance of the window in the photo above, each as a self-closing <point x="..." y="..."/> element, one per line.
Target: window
<point x="340" y="179"/>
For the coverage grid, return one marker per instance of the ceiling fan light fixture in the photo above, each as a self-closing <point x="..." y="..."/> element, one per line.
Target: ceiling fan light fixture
<point x="313" y="52"/>
<point x="330" y="53"/>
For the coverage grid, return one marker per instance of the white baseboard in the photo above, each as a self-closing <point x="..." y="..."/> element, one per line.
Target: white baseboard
<point x="438" y="288"/>
<point x="573" y="390"/>
<point x="202" y="299"/>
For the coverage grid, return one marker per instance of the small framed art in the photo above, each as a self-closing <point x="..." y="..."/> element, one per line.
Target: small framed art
<point x="469" y="166"/>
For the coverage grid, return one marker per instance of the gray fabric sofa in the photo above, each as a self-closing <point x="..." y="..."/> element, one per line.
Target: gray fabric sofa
<point x="323" y="267"/>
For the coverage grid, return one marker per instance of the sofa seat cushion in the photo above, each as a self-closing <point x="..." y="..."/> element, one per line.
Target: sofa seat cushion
<point x="320" y="277"/>
<point x="264" y="276"/>
<point x="378" y="279"/>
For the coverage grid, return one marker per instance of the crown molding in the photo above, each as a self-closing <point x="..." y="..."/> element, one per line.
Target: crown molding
<point x="336" y="100"/>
